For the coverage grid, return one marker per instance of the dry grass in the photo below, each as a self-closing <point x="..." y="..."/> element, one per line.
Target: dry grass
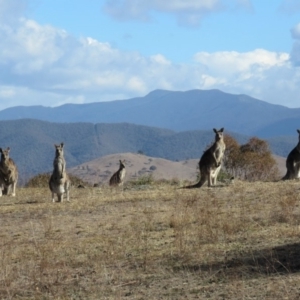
<point x="157" y="242"/>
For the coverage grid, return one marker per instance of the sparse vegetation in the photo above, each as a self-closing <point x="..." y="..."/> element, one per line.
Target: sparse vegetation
<point x="42" y="181"/>
<point x="234" y="242"/>
<point x="141" y="180"/>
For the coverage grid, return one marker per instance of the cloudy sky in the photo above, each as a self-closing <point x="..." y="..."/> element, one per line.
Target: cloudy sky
<point x="78" y="51"/>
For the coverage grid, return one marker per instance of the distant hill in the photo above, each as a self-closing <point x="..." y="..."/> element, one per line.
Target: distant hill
<point x="99" y="170"/>
<point x="32" y="142"/>
<point x="178" y="111"/>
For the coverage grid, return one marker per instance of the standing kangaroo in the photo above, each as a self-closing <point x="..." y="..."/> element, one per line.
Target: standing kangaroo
<point x="210" y="161"/>
<point x="8" y="173"/>
<point x="117" y="178"/>
<point x="293" y="162"/>
<point x="59" y="182"/>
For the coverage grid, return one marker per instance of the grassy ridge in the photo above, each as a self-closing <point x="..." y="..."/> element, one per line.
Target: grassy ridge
<point x="152" y="241"/>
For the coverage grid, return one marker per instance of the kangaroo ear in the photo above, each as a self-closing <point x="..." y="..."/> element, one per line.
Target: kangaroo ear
<point x="8" y="149"/>
<point x="298" y="130"/>
<point x="222" y="129"/>
<point x="62" y="145"/>
<point x="215" y="130"/>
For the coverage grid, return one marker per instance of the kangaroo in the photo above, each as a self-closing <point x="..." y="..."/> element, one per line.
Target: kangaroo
<point x="293" y="162"/>
<point x="210" y="161"/>
<point x="8" y="174"/>
<point x="59" y="182"/>
<point x="117" y="178"/>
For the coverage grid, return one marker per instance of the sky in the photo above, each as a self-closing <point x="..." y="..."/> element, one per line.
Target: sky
<point x="54" y="52"/>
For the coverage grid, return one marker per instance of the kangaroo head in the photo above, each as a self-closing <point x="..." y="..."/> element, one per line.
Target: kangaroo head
<point x="4" y="153"/>
<point x="59" y="150"/>
<point x="219" y="134"/>
<point x="122" y="166"/>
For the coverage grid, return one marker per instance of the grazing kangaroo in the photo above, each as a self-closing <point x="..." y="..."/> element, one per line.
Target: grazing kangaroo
<point x="293" y="162"/>
<point x="210" y="161"/>
<point x="8" y="174"/>
<point x="59" y="182"/>
<point x="117" y="178"/>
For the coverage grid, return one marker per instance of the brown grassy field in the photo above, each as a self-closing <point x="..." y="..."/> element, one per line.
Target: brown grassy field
<point x="153" y="241"/>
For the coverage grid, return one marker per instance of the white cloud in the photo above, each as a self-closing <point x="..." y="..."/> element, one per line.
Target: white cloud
<point x="266" y="75"/>
<point x="160" y="59"/>
<point x="46" y="66"/>
<point x="231" y="63"/>
<point x="41" y="60"/>
<point x="187" y="12"/>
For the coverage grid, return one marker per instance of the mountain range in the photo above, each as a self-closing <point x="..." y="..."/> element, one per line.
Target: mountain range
<point x="164" y="124"/>
<point x="32" y="142"/>
<point x="177" y="111"/>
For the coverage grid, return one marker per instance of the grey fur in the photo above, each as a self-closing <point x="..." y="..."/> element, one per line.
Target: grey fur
<point x="293" y="162"/>
<point x="8" y="173"/>
<point x="117" y="178"/>
<point x="211" y="160"/>
<point x="59" y="182"/>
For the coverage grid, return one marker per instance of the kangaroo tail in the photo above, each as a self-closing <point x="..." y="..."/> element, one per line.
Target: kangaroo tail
<point x="196" y="185"/>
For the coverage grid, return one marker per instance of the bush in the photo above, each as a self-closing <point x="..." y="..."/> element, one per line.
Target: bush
<point x="152" y="168"/>
<point x="42" y="181"/>
<point x="39" y="181"/>
<point x="251" y="161"/>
